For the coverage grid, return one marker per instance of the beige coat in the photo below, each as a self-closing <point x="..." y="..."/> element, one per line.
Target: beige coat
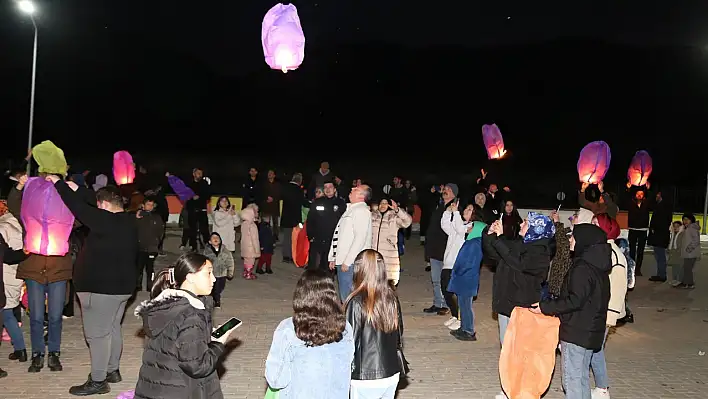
<point x="11" y="231"/>
<point x="385" y="238"/>
<point x="618" y="285"/>
<point x="225" y="224"/>
<point x="250" y="245"/>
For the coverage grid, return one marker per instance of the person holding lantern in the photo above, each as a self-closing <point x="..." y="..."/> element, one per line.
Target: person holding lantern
<point x="104" y="276"/>
<point x="638" y="208"/>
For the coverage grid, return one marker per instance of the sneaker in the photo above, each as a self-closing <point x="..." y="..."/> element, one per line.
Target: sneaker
<point x="685" y="286"/>
<point x="37" y="363"/>
<point x="463" y="335"/>
<point x="269" y="270"/>
<point x="3" y="373"/>
<point x="113" y="377"/>
<point x="260" y="271"/>
<point x="53" y="362"/>
<point x="450" y="321"/>
<point x="657" y="279"/>
<point x="600" y="393"/>
<point x="20" y="356"/>
<point x="432" y="309"/>
<point x="455" y="325"/>
<point x="443" y="312"/>
<point x="90" y="387"/>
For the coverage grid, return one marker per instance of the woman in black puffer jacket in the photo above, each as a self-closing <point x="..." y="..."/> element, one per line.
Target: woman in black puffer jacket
<point x="180" y="358"/>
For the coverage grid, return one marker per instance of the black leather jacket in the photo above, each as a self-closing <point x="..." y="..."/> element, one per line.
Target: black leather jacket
<point x="375" y="354"/>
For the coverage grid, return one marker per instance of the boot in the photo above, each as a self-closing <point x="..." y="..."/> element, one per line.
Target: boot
<point x="3" y="373"/>
<point x="90" y="387"/>
<point x="269" y="270"/>
<point x="37" y="363"/>
<point x="259" y="270"/>
<point x="53" y="362"/>
<point x="20" y="356"/>
<point x="113" y="377"/>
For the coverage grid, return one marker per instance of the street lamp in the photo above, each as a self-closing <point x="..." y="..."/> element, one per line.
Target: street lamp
<point x="27" y="7"/>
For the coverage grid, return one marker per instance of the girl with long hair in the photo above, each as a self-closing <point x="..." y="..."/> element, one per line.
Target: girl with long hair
<point x="374" y="312"/>
<point x="226" y="218"/>
<point x="312" y="351"/>
<point x="180" y="355"/>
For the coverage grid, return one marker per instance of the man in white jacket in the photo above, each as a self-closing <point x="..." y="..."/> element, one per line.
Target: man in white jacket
<point x="352" y="235"/>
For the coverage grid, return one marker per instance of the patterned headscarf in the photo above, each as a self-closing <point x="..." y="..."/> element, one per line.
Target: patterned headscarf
<point x="540" y="227"/>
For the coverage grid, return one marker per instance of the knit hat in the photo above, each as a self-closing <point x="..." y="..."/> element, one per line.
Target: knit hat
<point x="453" y="187"/>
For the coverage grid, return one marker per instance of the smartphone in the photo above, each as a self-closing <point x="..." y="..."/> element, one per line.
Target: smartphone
<point x="226" y="327"/>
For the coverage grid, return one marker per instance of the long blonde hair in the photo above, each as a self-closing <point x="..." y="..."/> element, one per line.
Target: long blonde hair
<point x="379" y="301"/>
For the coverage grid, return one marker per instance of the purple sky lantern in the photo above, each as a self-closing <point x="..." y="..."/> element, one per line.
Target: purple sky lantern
<point x="47" y="221"/>
<point x="282" y="37"/>
<point x="640" y="168"/>
<point x="493" y="141"/>
<point x="594" y="162"/>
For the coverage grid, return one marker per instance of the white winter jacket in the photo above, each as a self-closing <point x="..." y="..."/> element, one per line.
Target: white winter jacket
<point x="11" y="231"/>
<point x="456" y="230"/>
<point x="618" y="285"/>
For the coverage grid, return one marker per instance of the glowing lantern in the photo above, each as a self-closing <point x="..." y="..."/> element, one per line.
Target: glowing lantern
<point x="123" y="168"/>
<point x="493" y="141"/>
<point x="282" y="37"/>
<point x="48" y="222"/>
<point x="594" y="162"/>
<point x="640" y="168"/>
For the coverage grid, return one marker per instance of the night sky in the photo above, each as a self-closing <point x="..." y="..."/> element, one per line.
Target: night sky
<point x="185" y="78"/>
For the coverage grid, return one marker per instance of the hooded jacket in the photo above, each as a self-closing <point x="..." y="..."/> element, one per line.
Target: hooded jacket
<point x="435" y="237"/>
<point x="179" y="359"/>
<point x="521" y="270"/>
<point x="582" y="305"/>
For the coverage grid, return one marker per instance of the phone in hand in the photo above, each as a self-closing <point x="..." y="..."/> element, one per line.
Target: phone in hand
<point x="226" y="327"/>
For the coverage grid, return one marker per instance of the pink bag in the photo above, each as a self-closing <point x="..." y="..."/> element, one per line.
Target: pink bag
<point x="47" y="221"/>
<point x="282" y="38"/>
<point x="123" y="168"/>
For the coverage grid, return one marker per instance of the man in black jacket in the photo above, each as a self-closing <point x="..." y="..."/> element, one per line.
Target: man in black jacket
<point x="435" y="243"/>
<point x="638" y="223"/>
<point x="659" y="235"/>
<point x="321" y="222"/>
<point x="197" y="209"/>
<point x="104" y="277"/>
<point x="293" y="201"/>
<point x="251" y="189"/>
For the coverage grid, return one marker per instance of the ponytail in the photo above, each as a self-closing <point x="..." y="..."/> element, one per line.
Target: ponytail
<point x="173" y="277"/>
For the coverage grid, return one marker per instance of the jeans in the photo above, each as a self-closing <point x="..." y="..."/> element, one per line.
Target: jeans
<point x="503" y="324"/>
<point x="102" y="317"/>
<point x="450" y="297"/>
<point x="55" y="293"/>
<point x="345" y="280"/>
<point x="435" y="270"/>
<point x="576" y="370"/>
<point x="374" y="389"/>
<point x="660" y="257"/>
<point x="637" y="242"/>
<point x="466" y="313"/>
<point x="688" y="264"/>
<point x="598" y="365"/>
<point x="13" y="329"/>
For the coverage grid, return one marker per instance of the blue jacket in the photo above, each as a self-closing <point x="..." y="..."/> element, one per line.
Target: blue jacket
<point x="464" y="280"/>
<point x="265" y="237"/>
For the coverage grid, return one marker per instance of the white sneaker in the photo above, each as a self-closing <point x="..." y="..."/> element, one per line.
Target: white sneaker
<point x="501" y="395"/>
<point x="600" y="393"/>
<point x="455" y="325"/>
<point x="450" y="321"/>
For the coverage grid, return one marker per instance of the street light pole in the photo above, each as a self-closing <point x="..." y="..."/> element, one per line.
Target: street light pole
<point x="28" y="7"/>
<point x="34" y="80"/>
<point x="705" y="207"/>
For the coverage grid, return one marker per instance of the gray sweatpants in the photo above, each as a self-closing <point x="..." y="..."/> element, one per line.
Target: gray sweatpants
<point x="102" y="317"/>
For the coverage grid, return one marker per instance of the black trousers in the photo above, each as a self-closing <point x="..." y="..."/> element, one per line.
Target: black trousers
<point x="637" y="242"/>
<point x="450" y="298"/>
<point x="69" y="307"/>
<point x="317" y="259"/>
<point x="198" y="225"/>
<point x="146" y="263"/>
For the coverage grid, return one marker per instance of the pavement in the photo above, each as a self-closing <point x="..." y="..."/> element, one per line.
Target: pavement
<point x="661" y="355"/>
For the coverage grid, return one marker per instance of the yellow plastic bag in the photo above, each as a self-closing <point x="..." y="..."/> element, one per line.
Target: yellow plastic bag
<point x="528" y="355"/>
<point x="50" y="158"/>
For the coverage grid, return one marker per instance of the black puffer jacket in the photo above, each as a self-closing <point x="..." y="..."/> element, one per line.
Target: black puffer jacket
<point x="435" y="237"/>
<point x="582" y="306"/>
<point x="179" y="360"/>
<point x="521" y="270"/>
<point x="375" y="355"/>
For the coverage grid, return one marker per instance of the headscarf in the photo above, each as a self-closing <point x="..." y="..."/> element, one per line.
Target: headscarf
<point x="540" y="227"/>
<point x="608" y="225"/>
<point x="482" y="198"/>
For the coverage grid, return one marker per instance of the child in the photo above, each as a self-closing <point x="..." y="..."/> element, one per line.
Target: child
<point x="150" y="229"/>
<point x="265" y="237"/>
<point x="674" y="254"/>
<point x="223" y="263"/>
<point x="250" y="244"/>
<point x="226" y="220"/>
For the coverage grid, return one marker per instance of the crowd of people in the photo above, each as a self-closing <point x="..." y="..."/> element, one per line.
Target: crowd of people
<point x="345" y="336"/>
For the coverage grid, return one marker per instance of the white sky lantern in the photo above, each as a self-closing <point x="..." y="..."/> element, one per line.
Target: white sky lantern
<point x="283" y="39"/>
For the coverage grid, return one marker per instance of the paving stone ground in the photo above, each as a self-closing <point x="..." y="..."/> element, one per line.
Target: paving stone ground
<point x="657" y="357"/>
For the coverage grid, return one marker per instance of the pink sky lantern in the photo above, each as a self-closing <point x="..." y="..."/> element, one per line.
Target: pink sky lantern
<point x="48" y="222"/>
<point x="594" y="162"/>
<point x="493" y="141"/>
<point x="123" y="168"/>
<point x="282" y="37"/>
<point x="640" y="169"/>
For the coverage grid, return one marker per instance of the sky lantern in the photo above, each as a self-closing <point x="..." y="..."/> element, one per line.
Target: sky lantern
<point x="640" y="168"/>
<point x="123" y="168"/>
<point x="183" y="192"/>
<point x="493" y="141"/>
<point x="47" y="221"/>
<point x="282" y="37"/>
<point x="594" y="162"/>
